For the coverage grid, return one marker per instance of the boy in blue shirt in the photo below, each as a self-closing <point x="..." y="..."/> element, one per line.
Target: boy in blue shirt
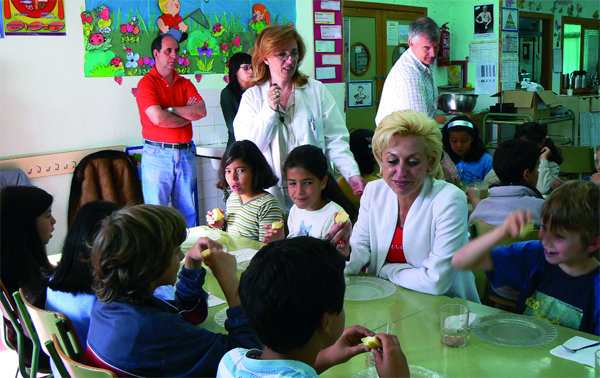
<point x="558" y="276"/>
<point x="293" y="297"/>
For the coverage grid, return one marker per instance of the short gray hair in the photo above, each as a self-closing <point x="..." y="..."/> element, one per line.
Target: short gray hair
<point x="424" y="25"/>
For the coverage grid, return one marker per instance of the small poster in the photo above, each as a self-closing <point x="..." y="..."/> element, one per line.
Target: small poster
<point x="33" y="18"/>
<point x="331" y="31"/>
<point x="483" y="21"/>
<point x="324" y="73"/>
<point x="325" y="18"/>
<point x="324" y="46"/>
<point x="360" y="94"/>
<point x="510" y="19"/>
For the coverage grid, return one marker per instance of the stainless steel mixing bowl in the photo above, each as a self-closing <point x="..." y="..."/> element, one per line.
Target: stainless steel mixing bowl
<point x="456" y="102"/>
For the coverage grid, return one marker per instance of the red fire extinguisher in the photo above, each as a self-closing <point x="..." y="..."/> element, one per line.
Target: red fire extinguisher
<point x="444" y="53"/>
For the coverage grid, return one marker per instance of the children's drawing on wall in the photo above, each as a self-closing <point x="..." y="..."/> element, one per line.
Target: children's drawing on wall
<point x="171" y="18"/>
<point x="118" y="34"/>
<point x="484" y="21"/>
<point x="260" y="18"/>
<point x="360" y="94"/>
<point x="29" y="17"/>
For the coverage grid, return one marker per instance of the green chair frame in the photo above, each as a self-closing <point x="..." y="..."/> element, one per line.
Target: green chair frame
<point x="42" y="324"/>
<point x="76" y="368"/>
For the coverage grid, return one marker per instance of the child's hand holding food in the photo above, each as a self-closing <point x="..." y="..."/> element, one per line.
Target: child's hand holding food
<point x="215" y="218"/>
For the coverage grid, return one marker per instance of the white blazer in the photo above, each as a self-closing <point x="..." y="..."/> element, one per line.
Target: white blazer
<point x="434" y="229"/>
<point x="317" y="121"/>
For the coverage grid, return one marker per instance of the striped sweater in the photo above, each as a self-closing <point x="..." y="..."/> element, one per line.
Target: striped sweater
<point x="251" y="219"/>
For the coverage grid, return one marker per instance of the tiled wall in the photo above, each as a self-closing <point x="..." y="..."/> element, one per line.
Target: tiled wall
<point x="210" y="130"/>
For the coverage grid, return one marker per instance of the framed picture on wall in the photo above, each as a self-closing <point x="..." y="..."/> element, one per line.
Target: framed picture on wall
<point x="360" y="94"/>
<point x="510" y="19"/>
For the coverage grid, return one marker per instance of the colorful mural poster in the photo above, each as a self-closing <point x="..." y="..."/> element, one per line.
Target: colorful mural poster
<point x="33" y="17"/>
<point x="118" y="34"/>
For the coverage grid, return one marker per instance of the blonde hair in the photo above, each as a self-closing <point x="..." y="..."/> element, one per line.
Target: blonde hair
<point x="574" y="207"/>
<point x="405" y="123"/>
<point x="269" y="42"/>
<point x="162" y="4"/>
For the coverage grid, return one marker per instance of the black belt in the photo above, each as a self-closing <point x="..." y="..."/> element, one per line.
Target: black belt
<point x="176" y="146"/>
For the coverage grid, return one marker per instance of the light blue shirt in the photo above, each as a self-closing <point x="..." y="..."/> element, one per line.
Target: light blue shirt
<point x="246" y="363"/>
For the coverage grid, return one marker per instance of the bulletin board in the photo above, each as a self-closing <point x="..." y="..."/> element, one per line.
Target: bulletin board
<point x="117" y="34"/>
<point x="327" y="18"/>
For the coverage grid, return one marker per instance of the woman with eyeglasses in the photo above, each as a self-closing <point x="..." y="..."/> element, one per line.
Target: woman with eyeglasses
<point x="240" y="79"/>
<point x="286" y="109"/>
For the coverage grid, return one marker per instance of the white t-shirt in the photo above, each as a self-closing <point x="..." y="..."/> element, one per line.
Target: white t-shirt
<point x="312" y="223"/>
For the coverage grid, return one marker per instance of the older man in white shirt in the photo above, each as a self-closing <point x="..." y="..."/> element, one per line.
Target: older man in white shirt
<point x="411" y="84"/>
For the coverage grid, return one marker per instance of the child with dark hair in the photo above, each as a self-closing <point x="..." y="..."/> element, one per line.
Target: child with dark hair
<point x="293" y="296"/>
<point x="516" y="163"/>
<point x="360" y="146"/>
<point x="464" y="146"/>
<point x="550" y="157"/>
<point x="240" y="79"/>
<point x="317" y="196"/>
<point x="26" y="224"/>
<point x="133" y="332"/>
<point x="70" y="289"/>
<point x="250" y="209"/>
<point x="558" y="276"/>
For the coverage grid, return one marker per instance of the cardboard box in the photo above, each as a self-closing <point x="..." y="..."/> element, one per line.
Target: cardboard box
<point x="536" y="104"/>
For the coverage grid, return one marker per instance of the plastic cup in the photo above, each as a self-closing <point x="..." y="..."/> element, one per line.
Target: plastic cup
<point x="454" y="324"/>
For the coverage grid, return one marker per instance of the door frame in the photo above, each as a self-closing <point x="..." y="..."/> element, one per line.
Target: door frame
<point x="381" y="13"/>
<point x="547" y="37"/>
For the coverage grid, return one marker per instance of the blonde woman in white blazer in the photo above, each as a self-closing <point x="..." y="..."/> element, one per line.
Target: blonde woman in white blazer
<point x="429" y="215"/>
<point x="286" y="109"/>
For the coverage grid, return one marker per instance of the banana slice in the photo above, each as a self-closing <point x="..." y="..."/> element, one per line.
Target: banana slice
<point x="276" y="225"/>
<point x="205" y="253"/>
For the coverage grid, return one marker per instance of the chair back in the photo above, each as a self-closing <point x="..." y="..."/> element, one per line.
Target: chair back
<point x="108" y="175"/>
<point x="577" y="159"/>
<point x="47" y="323"/>
<point x="10" y="313"/>
<point x="76" y="368"/>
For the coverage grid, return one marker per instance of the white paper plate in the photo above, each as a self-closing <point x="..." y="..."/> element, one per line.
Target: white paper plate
<point x="367" y="288"/>
<point x="514" y="330"/>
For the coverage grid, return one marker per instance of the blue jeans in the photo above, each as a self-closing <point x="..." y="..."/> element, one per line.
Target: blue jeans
<point x="170" y="175"/>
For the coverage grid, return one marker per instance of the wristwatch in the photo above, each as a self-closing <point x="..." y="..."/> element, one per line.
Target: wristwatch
<point x="170" y="109"/>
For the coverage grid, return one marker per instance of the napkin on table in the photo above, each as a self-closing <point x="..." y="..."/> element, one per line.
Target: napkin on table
<point x="584" y="356"/>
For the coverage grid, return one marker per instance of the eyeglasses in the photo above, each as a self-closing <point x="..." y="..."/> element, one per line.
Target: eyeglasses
<point x="284" y="55"/>
<point x="246" y="67"/>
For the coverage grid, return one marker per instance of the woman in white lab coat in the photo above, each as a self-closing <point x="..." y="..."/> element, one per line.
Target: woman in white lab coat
<point x="286" y="109"/>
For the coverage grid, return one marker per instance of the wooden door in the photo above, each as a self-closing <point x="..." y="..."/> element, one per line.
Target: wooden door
<point x="368" y="29"/>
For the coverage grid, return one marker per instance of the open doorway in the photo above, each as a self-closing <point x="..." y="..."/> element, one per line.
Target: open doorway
<point x="535" y="47"/>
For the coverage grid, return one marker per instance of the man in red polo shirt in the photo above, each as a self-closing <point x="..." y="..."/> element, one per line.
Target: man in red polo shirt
<point x="167" y="104"/>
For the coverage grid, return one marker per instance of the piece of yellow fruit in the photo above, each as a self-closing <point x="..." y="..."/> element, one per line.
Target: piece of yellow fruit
<point x="217" y="214"/>
<point x="205" y="253"/>
<point x="276" y="225"/>
<point x="371" y="342"/>
<point x="525" y="229"/>
<point x="341" y="217"/>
